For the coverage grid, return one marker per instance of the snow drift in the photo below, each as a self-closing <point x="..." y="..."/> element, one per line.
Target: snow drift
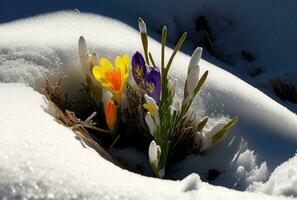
<point x="32" y="148"/>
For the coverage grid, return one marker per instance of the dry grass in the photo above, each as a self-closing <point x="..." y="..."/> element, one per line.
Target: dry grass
<point x="80" y="127"/>
<point x="59" y="104"/>
<point x="183" y="142"/>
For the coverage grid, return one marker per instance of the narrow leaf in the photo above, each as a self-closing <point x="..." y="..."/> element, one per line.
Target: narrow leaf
<point x="202" y="124"/>
<point x="177" y="47"/>
<point x="200" y="83"/>
<point x="164" y="36"/>
<point x="221" y="133"/>
<point x="151" y="59"/>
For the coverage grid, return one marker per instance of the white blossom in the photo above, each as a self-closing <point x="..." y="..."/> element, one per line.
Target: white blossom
<point x="142" y="26"/>
<point x="207" y="137"/>
<point x="84" y="57"/>
<point x="82" y="47"/>
<point x="94" y="59"/>
<point x="151" y="101"/>
<point x="154" y="157"/>
<point x="193" y="75"/>
<point x="150" y="123"/>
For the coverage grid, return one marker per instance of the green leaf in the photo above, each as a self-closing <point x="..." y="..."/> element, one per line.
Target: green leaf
<point x="151" y="59"/>
<point x="200" y="83"/>
<point x="177" y="47"/>
<point x="221" y="133"/>
<point x="202" y="124"/>
<point x="164" y="36"/>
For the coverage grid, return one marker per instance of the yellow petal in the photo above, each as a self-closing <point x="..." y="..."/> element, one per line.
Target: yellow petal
<point x="126" y="60"/>
<point x="119" y="62"/>
<point x="150" y="108"/>
<point x="98" y="72"/>
<point x="104" y="62"/>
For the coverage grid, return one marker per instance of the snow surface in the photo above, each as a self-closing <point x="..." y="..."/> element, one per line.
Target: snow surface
<point x="41" y="159"/>
<point x="267" y="30"/>
<point x="262" y="140"/>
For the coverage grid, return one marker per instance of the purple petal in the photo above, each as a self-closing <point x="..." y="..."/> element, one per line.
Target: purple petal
<point x="139" y="69"/>
<point x="153" y="83"/>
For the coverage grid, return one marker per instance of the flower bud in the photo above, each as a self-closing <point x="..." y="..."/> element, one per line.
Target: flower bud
<point x="154" y="157"/>
<point x="193" y="75"/>
<point x="110" y="114"/>
<point x="196" y="56"/>
<point x="141" y="25"/>
<point x="82" y="47"/>
<point x="150" y="123"/>
<point x="94" y="59"/>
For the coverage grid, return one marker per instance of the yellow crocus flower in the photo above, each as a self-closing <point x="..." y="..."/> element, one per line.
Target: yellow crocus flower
<point x="113" y="78"/>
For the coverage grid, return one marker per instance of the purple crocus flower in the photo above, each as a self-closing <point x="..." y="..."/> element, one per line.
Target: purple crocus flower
<point x="139" y="69"/>
<point x="148" y="80"/>
<point x="153" y="83"/>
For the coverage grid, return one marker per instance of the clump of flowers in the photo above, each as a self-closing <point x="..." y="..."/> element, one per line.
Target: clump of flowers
<point x="169" y="128"/>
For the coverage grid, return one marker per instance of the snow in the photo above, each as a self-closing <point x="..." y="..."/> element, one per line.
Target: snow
<point x="41" y="159"/>
<point x="278" y="183"/>
<point x="266" y="30"/>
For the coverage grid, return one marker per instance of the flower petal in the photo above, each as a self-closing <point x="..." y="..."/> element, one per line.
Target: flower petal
<point x="104" y="62"/>
<point x="139" y="69"/>
<point x="126" y="61"/>
<point x="98" y="72"/>
<point x="153" y="80"/>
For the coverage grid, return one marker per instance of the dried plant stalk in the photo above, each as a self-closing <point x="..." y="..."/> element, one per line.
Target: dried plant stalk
<point x="67" y="118"/>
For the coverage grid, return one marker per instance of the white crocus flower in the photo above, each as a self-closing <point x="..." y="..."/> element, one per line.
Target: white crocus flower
<point x="84" y="56"/>
<point x="150" y="123"/>
<point x="207" y="137"/>
<point x="87" y="61"/>
<point x="149" y="100"/>
<point x="153" y="108"/>
<point x="142" y="26"/>
<point x="193" y="75"/>
<point x="154" y="157"/>
<point x="95" y="60"/>
<point x="82" y="47"/>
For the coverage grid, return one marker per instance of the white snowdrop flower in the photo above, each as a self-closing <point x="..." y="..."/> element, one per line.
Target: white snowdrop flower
<point x="154" y="152"/>
<point x="142" y="26"/>
<point x="82" y="47"/>
<point x="95" y="59"/>
<point x="150" y="123"/>
<point x="153" y="108"/>
<point x="85" y="58"/>
<point x="196" y="56"/>
<point x="207" y="138"/>
<point x="154" y="157"/>
<point x="193" y="75"/>
<point x="149" y="100"/>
